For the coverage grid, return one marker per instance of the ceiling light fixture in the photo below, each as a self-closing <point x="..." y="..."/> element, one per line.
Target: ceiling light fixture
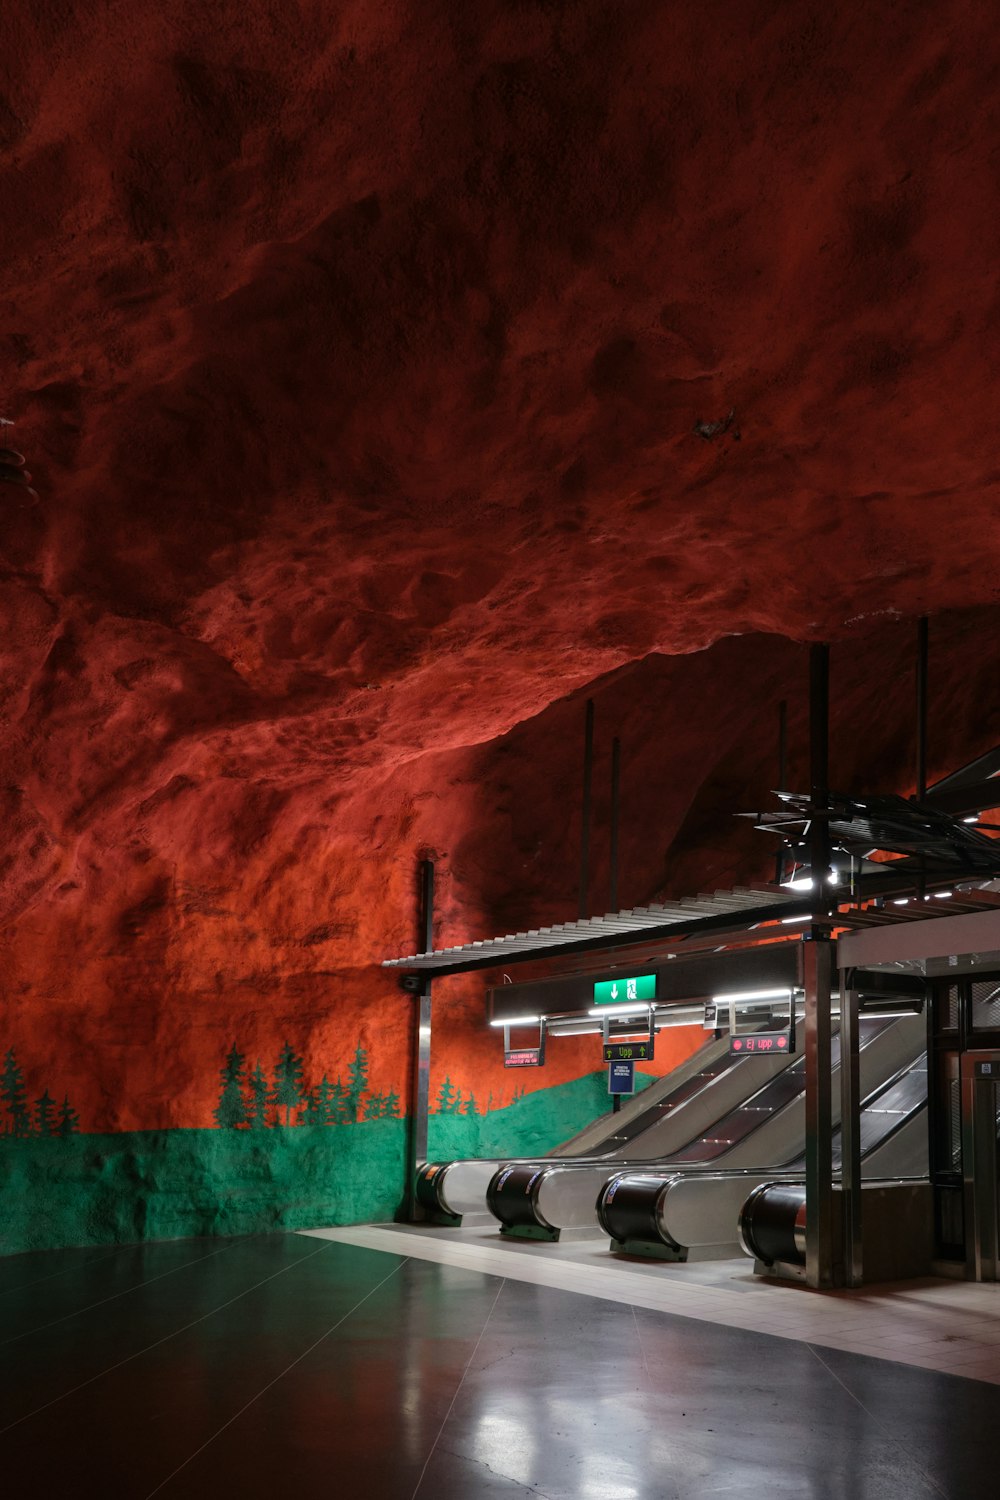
<point x="785" y="994"/>
<point x="619" y="1010"/>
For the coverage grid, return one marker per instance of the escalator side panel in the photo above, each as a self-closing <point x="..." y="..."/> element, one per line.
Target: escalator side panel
<point x="565" y="1196"/>
<point x="590" y="1141"/>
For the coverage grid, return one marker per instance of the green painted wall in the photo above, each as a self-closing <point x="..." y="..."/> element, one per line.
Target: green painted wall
<point x="84" y="1189"/>
<point x="531" y="1125"/>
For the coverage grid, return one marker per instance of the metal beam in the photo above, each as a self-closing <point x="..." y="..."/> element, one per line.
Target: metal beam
<point x="976" y="770"/>
<point x="967" y="797"/>
<point x="816" y="979"/>
<point x="934" y="937"/>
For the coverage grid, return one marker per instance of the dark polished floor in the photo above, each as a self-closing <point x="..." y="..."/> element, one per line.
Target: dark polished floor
<point x="280" y="1365"/>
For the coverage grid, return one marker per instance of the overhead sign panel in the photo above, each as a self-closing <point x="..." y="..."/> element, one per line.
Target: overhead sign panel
<point x="630" y="1051"/>
<point x="621" y="991"/>
<point x="771" y="1043"/>
<point x="524" y="1057"/>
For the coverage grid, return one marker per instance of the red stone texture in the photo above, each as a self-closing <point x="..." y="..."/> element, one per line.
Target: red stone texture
<point x="360" y="354"/>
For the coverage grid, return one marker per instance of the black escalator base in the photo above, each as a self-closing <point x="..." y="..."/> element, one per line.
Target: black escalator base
<point x="423" y="1215"/>
<point x="650" y="1251"/>
<point x="779" y="1270"/>
<point x="529" y="1232"/>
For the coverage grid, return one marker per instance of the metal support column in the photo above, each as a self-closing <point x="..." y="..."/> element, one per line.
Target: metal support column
<point x="818" y="969"/>
<point x="416" y="1143"/>
<point x="588" y="773"/>
<point x="819" y="772"/>
<point x="850" y="1133"/>
<point x="817" y="976"/>
<point x="981" y="1180"/>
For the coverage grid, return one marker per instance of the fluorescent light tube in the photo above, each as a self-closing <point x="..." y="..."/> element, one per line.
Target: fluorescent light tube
<point x="619" y="1010"/>
<point x="784" y="994"/>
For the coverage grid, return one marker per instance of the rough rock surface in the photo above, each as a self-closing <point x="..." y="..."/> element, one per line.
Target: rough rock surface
<point x="390" y="373"/>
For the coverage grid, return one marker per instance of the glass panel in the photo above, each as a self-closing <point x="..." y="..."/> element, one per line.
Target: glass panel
<point x="985" y="1009"/>
<point x="946" y="1007"/>
<point x="947" y="1152"/>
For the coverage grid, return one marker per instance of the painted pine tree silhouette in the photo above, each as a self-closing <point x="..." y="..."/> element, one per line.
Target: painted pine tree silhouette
<point x="288" y="1089"/>
<point x="45" y="1115"/>
<point x="324" y="1102"/>
<point x="357" y="1081"/>
<point x="69" y="1120"/>
<point x="255" y="1103"/>
<point x="15" y="1096"/>
<point x="391" y="1110"/>
<point x="310" y="1112"/>
<point x="338" y="1104"/>
<point x="469" y="1107"/>
<point x="449" y="1098"/>
<point x="231" y="1110"/>
<point x="374" y="1107"/>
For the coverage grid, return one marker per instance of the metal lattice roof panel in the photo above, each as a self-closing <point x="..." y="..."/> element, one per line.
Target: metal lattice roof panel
<point x="746" y="906"/>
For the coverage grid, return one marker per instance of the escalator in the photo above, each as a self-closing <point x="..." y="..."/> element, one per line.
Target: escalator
<point x="700" y="1212"/>
<point x="681" y="1107"/>
<point x="761" y="1131"/>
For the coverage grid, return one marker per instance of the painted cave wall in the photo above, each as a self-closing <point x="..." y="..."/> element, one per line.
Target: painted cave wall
<point x="198" y="1036"/>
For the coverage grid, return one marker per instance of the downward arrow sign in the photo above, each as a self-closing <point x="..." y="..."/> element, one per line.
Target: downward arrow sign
<point x="614" y="992"/>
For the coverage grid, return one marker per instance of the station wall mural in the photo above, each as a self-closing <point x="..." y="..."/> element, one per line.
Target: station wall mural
<point x="195" y="1033"/>
<point x="288" y="1142"/>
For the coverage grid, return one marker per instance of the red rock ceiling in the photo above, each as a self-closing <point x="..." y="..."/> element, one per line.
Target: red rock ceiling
<point x="359" y="353"/>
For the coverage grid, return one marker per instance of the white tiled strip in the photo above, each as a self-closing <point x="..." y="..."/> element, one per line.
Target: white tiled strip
<point x="950" y="1326"/>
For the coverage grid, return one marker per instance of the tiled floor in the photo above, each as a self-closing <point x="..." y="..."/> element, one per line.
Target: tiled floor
<point x="289" y="1364"/>
<point x="951" y="1326"/>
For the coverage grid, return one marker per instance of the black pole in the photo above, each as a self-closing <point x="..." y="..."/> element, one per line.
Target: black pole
<point x="819" y="768"/>
<point x="615" y="786"/>
<point x="588" y="772"/>
<point x="427" y="904"/>
<point x="921" y="708"/>
<point x="782" y="745"/>
<point x="416" y="1135"/>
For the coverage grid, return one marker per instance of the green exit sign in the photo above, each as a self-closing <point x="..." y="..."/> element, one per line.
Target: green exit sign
<point x="621" y="991"/>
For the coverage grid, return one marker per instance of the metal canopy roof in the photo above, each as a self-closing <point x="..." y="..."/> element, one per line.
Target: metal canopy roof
<point x="728" y="912"/>
<point x="933" y="850"/>
<point x="743" y="907"/>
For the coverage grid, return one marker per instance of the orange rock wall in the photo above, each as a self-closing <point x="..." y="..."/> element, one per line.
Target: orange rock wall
<point x="392" y="377"/>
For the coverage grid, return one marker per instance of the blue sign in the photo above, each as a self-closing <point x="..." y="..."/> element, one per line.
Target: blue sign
<point x="621" y="1077"/>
